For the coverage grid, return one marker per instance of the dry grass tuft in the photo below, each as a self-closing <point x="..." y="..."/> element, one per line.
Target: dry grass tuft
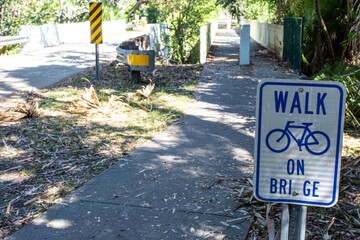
<point x="146" y="91"/>
<point x="27" y="109"/>
<point x="89" y="103"/>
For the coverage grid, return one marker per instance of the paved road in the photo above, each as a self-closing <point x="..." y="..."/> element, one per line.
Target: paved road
<point x="43" y="67"/>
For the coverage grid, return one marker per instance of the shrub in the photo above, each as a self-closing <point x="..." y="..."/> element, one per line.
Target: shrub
<point x="349" y="75"/>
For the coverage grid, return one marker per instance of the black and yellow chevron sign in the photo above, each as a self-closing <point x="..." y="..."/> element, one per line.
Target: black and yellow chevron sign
<point x="95" y="18"/>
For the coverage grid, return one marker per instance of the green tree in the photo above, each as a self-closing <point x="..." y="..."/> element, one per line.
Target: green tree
<point x="14" y="13"/>
<point x="185" y="18"/>
<point x="10" y="14"/>
<point x="264" y="11"/>
<point x="331" y="27"/>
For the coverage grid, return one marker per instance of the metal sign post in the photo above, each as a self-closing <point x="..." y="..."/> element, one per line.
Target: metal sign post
<point x="284" y="234"/>
<point x="297" y="222"/>
<point x="293" y="222"/>
<point x="97" y="65"/>
<point x="95" y="17"/>
<point x="298" y="141"/>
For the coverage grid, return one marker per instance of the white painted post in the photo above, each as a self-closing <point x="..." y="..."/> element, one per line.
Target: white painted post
<point x="214" y="29"/>
<point x="284" y="233"/>
<point x="245" y="44"/>
<point x="203" y="44"/>
<point x="164" y="41"/>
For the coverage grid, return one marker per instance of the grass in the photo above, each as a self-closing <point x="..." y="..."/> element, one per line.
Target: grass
<point x="60" y="150"/>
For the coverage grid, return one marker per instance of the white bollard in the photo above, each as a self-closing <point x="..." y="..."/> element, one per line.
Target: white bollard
<point x="245" y="44"/>
<point x="203" y="44"/>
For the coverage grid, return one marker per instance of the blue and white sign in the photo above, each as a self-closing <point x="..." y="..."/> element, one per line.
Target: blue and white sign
<point x="298" y="142"/>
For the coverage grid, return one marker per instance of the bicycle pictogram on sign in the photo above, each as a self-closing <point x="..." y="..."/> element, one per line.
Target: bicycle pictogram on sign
<point x="315" y="142"/>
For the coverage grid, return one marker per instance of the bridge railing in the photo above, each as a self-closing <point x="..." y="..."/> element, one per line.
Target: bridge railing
<point x="11" y="40"/>
<point x="268" y="35"/>
<point x="207" y="36"/>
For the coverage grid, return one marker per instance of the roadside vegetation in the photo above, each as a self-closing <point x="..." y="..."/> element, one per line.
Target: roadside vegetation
<point x="185" y="19"/>
<point x="331" y="27"/>
<point x="349" y="76"/>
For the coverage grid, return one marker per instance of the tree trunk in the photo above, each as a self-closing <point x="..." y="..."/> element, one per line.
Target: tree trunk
<point x="136" y="6"/>
<point x="279" y="10"/>
<point x="324" y="28"/>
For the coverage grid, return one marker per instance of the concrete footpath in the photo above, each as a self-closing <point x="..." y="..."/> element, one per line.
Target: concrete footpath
<point x="180" y="184"/>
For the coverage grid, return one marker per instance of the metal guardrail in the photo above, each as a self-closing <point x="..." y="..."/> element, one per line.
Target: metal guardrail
<point x="129" y="26"/>
<point x="138" y="60"/>
<point x="10" y="40"/>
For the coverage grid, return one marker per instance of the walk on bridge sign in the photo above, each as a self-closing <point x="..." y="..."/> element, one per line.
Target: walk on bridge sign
<point x="298" y="141"/>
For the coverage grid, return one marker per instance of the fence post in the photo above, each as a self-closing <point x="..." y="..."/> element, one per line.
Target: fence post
<point x="203" y="44"/>
<point x="245" y="44"/>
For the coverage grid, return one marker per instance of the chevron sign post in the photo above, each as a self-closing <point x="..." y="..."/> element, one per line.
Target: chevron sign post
<point x="95" y="17"/>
